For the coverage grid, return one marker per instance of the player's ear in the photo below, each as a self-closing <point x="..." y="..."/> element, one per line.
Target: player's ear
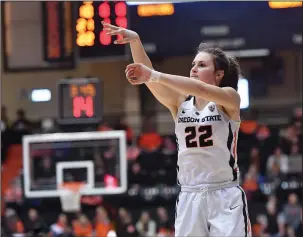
<point x="219" y="75"/>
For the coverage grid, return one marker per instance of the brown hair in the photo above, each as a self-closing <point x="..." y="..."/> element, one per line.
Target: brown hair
<point x="228" y="64"/>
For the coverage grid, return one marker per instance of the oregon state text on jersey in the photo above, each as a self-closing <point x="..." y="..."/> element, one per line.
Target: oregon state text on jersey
<point x="207" y="143"/>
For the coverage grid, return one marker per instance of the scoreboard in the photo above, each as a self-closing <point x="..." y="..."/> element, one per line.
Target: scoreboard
<point x="174" y="29"/>
<point x="57" y="32"/>
<point x="90" y="36"/>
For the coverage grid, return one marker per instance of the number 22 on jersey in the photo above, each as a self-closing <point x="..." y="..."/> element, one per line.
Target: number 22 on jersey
<point x="204" y="133"/>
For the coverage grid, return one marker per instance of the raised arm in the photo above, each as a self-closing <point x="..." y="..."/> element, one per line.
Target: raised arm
<point x="165" y="95"/>
<point x="226" y="97"/>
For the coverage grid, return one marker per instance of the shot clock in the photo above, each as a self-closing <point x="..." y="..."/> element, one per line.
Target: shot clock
<point x="79" y="101"/>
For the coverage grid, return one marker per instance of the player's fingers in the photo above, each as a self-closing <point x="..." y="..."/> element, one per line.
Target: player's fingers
<point x="129" y="70"/>
<point x="113" y="32"/>
<point x="124" y="40"/>
<point x="132" y="80"/>
<point x="129" y="74"/>
<point x="132" y="66"/>
<point x="105" y="24"/>
<point x="106" y="29"/>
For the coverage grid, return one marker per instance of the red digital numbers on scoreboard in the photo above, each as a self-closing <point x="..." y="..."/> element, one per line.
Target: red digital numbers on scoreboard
<point x="79" y="101"/>
<point x="111" y="12"/>
<point x="120" y="19"/>
<point x="83" y="99"/>
<point x="83" y="104"/>
<point x="91" y="38"/>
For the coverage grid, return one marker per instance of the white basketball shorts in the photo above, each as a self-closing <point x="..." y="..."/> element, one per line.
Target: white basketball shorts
<point x="218" y="213"/>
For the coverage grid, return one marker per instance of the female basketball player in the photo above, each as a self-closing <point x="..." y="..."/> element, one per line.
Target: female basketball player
<point x="206" y="111"/>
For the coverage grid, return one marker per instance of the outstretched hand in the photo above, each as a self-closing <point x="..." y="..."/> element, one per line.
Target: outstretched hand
<point x="128" y="35"/>
<point x="137" y="73"/>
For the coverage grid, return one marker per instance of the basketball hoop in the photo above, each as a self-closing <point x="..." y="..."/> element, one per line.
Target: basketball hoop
<point x="70" y="196"/>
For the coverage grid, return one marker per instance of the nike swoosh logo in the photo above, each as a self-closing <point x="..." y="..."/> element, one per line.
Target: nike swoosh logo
<point x="232" y="208"/>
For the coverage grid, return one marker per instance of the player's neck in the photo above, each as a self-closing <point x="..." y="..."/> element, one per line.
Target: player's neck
<point x="200" y="103"/>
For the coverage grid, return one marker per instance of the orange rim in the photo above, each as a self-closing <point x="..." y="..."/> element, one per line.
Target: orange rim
<point x="73" y="186"/>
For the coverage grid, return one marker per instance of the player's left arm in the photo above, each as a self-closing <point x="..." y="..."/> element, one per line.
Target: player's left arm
<point x="227" y="97"/>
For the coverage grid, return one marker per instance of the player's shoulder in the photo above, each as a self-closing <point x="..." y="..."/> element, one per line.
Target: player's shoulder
<point x="232" y="92"/>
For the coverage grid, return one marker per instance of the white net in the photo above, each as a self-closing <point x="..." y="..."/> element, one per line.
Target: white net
<point x="70" y="199"/>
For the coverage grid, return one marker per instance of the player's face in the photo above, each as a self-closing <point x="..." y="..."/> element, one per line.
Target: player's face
<point x="203" y="68"/>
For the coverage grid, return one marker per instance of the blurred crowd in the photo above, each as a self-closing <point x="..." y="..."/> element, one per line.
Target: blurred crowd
<point x="270" y="160"/>
<point x="100" y="224"/>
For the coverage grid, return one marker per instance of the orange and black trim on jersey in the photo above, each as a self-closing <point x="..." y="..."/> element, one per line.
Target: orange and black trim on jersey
<point x="235" y="142"/>
<point x="247" y="224"/>
<point x="232" y="138"/>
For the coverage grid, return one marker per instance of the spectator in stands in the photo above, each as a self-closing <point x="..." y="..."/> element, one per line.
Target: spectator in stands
<point x="273" y="200"/>
<point x="122" y="125"/>
<point x="298" y="127"/>
<point x="295" y="161"/>
<point x="61" y="228"/>
<point x="169" y="147"/>
<point x="14" y="193"/>
<point x="298" y="113"/>
<point x="288" y="138"/>
<point x="149" y="140"/>
<point x="277" y="164"/>
<point x="290" y="232"/>
<point x="249" y="126"/>
<point x="275" y="221"/>
<point x="292" y="212"/>
<point x="297" y="117"/>
<point x="35" y="225"/>
<point x="136" y="175"/>
<point x="110" y="157"/>
<point x="262" y="132"/>
<point x="132" y="153"/>
<point x="164" y="226"/>
<point x="22" y="124"/>
<point x="12" y="223"/>
<point x="259" y="227"/>
<point x="125" y="226"/>
<point x="99" y="165"/>
<point x="255" y="157"/>
<point x="46" y="171"/>
<point x="104" y="127"/>
<point x="102" y="223"/>
<point x="145" y="226"/>
<point x="250" y="183"/>
<point x="82" y="227"/>
<point x="294" y="152"/>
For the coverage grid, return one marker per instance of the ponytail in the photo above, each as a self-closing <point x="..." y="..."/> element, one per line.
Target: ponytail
<point x="233" y="74"/>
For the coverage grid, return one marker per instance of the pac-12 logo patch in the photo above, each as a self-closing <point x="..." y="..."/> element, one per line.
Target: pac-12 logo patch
<point x="211" y="107"/>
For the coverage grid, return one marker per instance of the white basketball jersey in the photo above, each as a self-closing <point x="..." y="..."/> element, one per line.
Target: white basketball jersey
<point x="207" y="145"/>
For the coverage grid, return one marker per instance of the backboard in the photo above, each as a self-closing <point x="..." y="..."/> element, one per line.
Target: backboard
<point x="96" y="158"/>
